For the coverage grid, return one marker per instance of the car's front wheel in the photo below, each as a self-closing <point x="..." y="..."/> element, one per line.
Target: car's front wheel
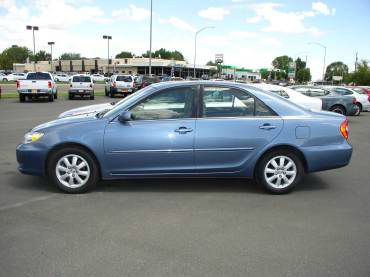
<point x="73" y="170"/>
<point x="279" y="171"/>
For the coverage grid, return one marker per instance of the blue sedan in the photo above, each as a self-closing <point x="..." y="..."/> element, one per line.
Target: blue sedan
<point x="189" y="129"/>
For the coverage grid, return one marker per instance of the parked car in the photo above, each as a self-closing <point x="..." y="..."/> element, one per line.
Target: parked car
<point x="292" y="95"/>
<point x="362" y="100"/>
<point x="157" y="132"/>
<point x="142" y="81"/>
<point x="364" y="88"/>
<point x="37" y="84"/>
<point x="119" y="84"/>
<point x="14" y="77"/>
<point x="3" y="77"/>
<point x="98" y="78"/>
<point x="331" y="101"/>
<point x="88" y="110"/>
<point x="81" y="85"/>
<point x="61" y="77"/>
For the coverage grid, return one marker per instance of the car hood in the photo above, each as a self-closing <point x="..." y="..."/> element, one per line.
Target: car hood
<point x="66" y="120"/>
<point x="86" y="110"/>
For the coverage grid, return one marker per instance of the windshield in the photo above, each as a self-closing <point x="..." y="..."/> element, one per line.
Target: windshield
<point x="81" y="79"/>
<point x="118" y="106"/>
<point x="38" y="76"/>
<point x="124" y="79"/>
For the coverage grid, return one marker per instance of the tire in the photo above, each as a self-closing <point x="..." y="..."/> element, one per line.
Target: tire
<point x="5" y="79"/>
<point x="266" y="170"/>
<point x="56" y="95"/>
<point x="338" y="109"/>
<point x="70" y="96"/>
<point x="22" y="98"/>
<point x="61" y="172"/>
<point x="111" y="95"/>
<point x="51" y="98"/>
<point x="106" y="91"/>
<point x="92" y="96"/>
<point x="359" y="109"/>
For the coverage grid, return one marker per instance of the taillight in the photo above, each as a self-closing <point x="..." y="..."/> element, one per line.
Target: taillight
<point x="354" y="101"/>
<point x="133" y="84"/>
<point x="368" y="98"/>
<point x="17" y="82"/>
<point x="144" y="84"/>
<point x="114" y="84"/>
<point x="344" y="129"/>
<point x="49" y="84"/>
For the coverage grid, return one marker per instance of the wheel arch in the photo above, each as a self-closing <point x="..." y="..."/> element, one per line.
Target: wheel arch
<point x="71" y="144"/>
<point x="288" y="147"/>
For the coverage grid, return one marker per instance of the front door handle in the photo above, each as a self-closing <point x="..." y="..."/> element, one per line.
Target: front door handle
<point x="267" y="126"/>
<point x="183" y="130"/>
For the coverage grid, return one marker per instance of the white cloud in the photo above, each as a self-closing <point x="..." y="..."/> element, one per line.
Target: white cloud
<point x="282" y="22"/>
<point x="270" y="41"/>
<point x="132" y="13"/>
<point x="242" y="34"/>
<point x="214" y="13"/>
<point x="178" y="23"/>
<point x="322" y="8"/>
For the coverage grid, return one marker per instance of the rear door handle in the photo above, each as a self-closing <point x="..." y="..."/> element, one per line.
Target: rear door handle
<point x="183" y="130"/>
<point x="267" y="126"/>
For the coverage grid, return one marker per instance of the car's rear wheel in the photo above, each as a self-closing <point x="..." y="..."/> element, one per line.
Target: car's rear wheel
<point x="51" y="98"/>
<point x="111" y="95"/>
<point x="106" y="91"/>
<point x="73" y="170"/>
<point x="22" y="98"/>
<point x="338" y="109"/>
<point x="358" y="112"/>
<point x="56" y="95"/>
<point x="92" y="96"/>
<point x="279" y="171"/>
<point x="70" y="96"/>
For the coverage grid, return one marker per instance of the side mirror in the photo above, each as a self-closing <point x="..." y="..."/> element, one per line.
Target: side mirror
<point x="125" y="116"/>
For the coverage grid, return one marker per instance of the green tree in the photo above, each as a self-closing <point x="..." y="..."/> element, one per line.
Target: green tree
<point x="336" y="69"/>
<point x="70" y="56"/>
<point x="41" y="56"/>
<point x="14" y="54"/>
<point x="362" y="75"/>
<point x="303" y="75"/>
<point x="282" y="63"/>
<point x="124" y="55"/>
<point x="165" y="54"/>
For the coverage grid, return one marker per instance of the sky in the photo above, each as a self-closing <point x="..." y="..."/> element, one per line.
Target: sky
<point x="248" y="33"/>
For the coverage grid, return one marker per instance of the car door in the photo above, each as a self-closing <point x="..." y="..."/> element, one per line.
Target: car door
<point x="159" y="139"/>
<point x="232" y="127"/>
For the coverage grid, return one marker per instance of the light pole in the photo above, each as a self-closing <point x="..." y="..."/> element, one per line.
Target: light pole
<point x="195" y="44"/>
<point x="107" y="38"/>
<point x="324" y="47"/>
<point x="150" y="39"/>
<point x="51" y="43"/>
<point x="33" y="28"/>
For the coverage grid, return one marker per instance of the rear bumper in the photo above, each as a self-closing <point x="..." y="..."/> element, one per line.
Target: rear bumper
<point x="35" y="91"/>
<point x="31" y="159"/>
<point x="81" y="91"/>
<point x="122" y="90"/>
<point x="326" y="157"/>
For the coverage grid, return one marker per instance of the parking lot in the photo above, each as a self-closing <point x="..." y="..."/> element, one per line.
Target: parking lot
<point x="202" y="227"/>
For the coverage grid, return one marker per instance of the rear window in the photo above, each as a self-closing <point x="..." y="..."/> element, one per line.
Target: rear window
<point x="38" y="76"/>
<point x="151" y="79"/>
<point x="124" y="79"/>
<point x="81" y="79"/>
<point x="280" y="92"/>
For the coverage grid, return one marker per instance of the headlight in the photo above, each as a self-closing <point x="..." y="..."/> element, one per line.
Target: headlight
<point x="32" y="136"/>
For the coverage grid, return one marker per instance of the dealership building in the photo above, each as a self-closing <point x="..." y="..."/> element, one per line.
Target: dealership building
<point x="126" y="66"/>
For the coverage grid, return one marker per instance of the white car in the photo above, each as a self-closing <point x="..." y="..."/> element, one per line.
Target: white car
<point x="120" y="84"/>
<point x="14" y="77"/>
<point x="98" y="78"/>
<point x="81" y="85"/>
<point x="296" y="97"/>
<point x="362" y="100"/>
<point x="61" y="77"/>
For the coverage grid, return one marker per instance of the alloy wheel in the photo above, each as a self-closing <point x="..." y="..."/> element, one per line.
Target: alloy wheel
<point x="72" y="171"/>
<point x="280" y="172"/>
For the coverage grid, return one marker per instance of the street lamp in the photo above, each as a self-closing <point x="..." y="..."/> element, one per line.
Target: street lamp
<point x="51" y="43"/>
<point x="150" y="39"/>
<point x="195" y="43"/>
<point x="324" y="47"/>
<point x="107" y="38"/>
<point x="33" y="28"/>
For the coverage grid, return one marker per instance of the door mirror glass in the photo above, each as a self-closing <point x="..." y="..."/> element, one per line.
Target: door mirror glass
<point x="125" y="116"/>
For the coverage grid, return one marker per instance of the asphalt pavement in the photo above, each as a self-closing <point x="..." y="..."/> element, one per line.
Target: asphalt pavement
<point x="172" y="227"/>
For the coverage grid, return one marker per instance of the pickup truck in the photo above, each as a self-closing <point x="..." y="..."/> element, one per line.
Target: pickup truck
<point x="37" y="84"/>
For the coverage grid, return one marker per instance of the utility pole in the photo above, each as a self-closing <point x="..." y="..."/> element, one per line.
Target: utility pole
<point x="107" y="38"/>
<point x="356" y="61"/>
<point x="51" y="43"/>
<point x="33" y="28"/>
<point x="195" y="45"/>
<point x="150" y="37"/>
<point x="324" y="47"/>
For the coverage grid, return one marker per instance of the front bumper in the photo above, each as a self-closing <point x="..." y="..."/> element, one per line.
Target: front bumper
<point x="31" y="158"/>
